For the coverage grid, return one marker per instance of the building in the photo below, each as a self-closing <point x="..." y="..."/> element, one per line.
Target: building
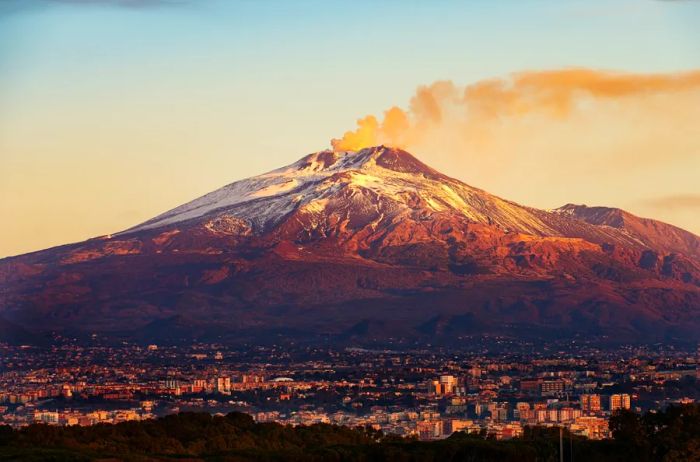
<point x="458" y="425"/>
<point x="429" y="429"/>
<point x="591" y="427"/>
<point x="46" y="417"/>
<point x="551" y="387"/>
<point x="542" y="387"/>
<point x="171" y="384"/>
<point x="590" y="403"/>
<point x="523" y="411"/>
<point x="530" y="386"/>
<point x="445" y="385"/>
<point x="620" y="401"/>
<point x="223" y="384"/>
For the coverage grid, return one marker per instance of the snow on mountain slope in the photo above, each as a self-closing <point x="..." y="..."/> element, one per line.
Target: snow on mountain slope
<point x="388" y="185"/>
<point x="393" y="175"/>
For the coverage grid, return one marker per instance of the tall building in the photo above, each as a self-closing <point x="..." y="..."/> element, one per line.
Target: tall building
<point x="223" y="384"/>
<point x="252" y="378"/>
<point x="620" y="401"/>
<point x="590" y="403"/>
<point x="172" y="384"/>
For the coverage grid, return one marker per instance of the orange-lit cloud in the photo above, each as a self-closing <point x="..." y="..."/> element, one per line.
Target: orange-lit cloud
<point x="553" y="94"/>
<point x="679" y="201"/>
<point x="551" y="137"/>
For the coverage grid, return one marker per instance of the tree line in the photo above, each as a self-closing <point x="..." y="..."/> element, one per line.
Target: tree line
<point x="672" y="435"/>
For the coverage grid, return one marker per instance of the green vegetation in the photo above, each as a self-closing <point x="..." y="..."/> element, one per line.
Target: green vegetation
<point x="670" y="436"/>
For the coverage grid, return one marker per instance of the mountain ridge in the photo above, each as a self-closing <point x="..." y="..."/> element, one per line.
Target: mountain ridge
<point x="346" y="241"/>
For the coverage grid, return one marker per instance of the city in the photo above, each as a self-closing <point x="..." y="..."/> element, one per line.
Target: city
<point x="426" y="393"/>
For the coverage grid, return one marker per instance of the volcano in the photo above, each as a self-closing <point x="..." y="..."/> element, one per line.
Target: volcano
<point x="367" y="246"/>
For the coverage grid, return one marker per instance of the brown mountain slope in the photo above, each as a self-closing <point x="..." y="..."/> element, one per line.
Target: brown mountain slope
<point x="340" y="243"/>
<point x="652" y="234"/>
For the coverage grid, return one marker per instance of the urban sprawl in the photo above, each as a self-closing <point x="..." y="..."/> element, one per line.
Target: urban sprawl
<point x="428" y="393"/>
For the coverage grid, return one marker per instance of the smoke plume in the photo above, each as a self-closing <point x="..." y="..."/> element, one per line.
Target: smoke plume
<point x="486" y="105"/>
<point x="550" y="137"/>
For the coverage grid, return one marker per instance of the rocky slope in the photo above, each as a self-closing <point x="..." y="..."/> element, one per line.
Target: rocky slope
<point x="360" y="246"/>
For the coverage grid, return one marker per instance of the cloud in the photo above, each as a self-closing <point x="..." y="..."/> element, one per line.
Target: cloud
<point x="678" y="201"/>
<point x="545" y="138"/>
<point x="122" y="3"/>
<point x="13" y="6"/>
<point x="476" y="108"/>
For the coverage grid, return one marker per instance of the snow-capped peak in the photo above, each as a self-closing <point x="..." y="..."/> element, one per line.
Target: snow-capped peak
<point x="363" y="168"/>
<point x="398" y="182"/>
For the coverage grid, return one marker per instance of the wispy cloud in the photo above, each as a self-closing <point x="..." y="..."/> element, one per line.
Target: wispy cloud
<point x="13" y="6"/>
<point x="122" y="3"/>
<point x="678" y="201"/>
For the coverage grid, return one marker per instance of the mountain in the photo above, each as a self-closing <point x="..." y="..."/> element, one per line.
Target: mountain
<point x="366" y="246"/>
<point x="664" y="237"/>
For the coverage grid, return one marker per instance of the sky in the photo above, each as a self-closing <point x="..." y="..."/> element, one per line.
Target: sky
<point x="113" y="111"/>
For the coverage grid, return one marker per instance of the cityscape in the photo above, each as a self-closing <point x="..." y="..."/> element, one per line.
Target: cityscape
<point x="421" y="393"/>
